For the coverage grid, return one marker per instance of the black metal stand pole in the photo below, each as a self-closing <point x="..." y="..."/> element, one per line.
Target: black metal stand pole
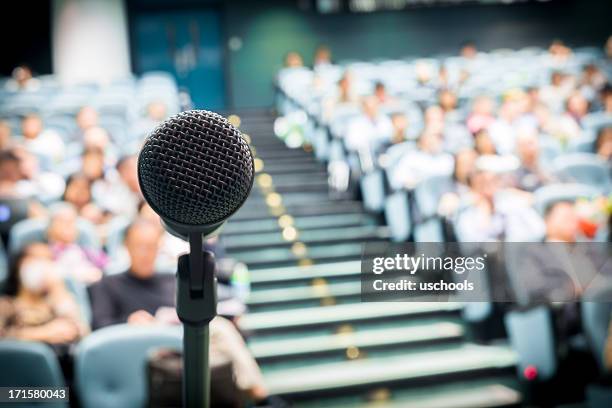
<point x="196" y="306"/>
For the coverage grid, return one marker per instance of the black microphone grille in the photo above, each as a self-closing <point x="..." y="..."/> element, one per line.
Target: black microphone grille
<point x="195" y="169"/>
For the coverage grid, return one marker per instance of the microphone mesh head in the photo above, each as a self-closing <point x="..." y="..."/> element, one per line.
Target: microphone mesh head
<point x="195" y="169"/>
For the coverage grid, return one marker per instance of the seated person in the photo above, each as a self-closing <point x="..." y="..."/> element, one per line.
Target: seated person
<point x="492" y="212"/>
<point x="140" y="296"/>
<point x="603" y="143"/>
<point x="14" y="205"/>
<point x="529" y="176"/>
<point x="119" y="192"/>
<point x="45" y="144"/>
<point x="38" y="307"/>
<point x="78" y="194"/>
<point x="481" y="116"/>
<point x="370" y="130"/>
<point x="82" y="264"/>
<point x="428" y="160"/>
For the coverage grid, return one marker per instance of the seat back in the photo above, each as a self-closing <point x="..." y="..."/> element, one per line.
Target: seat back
<point x="532" y="338"/>
<point x="373" y="190"/>
<point x="587" y="168"/>
<point x="596" y="321"/>
<point x="110" y="364"/>
<point x="397" y="215"/>
<point x="30" y="364"/>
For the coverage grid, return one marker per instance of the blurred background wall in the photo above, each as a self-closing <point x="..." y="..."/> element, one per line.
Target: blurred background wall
<point x="240" y="44"/>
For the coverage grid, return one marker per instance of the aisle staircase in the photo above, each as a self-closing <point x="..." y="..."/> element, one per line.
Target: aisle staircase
<point x="317" y="344"/>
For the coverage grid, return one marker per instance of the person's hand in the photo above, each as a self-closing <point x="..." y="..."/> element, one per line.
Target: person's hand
<point x="141" y="317"/>
<point x="60" y="331"/>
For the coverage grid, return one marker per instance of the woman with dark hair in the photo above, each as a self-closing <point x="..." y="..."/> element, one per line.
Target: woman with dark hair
<point x="38" y="307"/>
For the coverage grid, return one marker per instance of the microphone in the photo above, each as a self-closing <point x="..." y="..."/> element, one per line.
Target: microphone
<point x="195" y="170"/>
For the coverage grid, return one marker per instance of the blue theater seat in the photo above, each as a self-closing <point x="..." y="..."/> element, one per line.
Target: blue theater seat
<point x="110" y="364"/>
<point x="532" y="336"/>
<point x="587" y="168"/>
<point x="30" y="364"/>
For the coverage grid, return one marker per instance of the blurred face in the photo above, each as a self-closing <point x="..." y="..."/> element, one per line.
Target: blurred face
<point x="577" y="105"/>
<point x="380" y="92"/>
<point x="434" y="115"/>
<point x="399" y="122"/>
<point x="483" y="106"/>
<point x="5" y="135"/>
<point x="78" y="192"/>
<point x="486" y="184"/>
<point x="157" y="111"/>
<point x="323" y="56"/>
<point x="96" y="138"/>
<point x="430" y="142"/>
<point x="468" y="51"/>
<point x="22" y="75"/>
<point x="528" y="148"/>
<point x="448" y="101"/>
<point x="36" y="275"/>
<point x="604" y="144"/>
<point x="464" y="164"/>
<point x="129" y="173"/>
<point x="556" y="79"/>
<point x="608" y="102"/>
<point x="562" y="223"/>
<point x="63" y="227"/>
<point x="93" y="165"/>
<point x="31" y="127"/>
<point x="142" y="243"/>
<point x="483" y="143"/>
<point x="87" y="118"/>
<point x="370" y="107"/>
<point x="293" y="60"/>
<point x="9" y="171"/>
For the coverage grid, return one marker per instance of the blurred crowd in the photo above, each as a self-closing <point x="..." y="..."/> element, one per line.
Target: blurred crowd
<point x="491" y="130"/>
<point x="80" y="248"/>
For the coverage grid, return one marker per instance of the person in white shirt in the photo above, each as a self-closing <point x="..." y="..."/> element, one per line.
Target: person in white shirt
<point x="428" y="160"/>
<point x="47" y="145"/>
<point x="369" y="130"/>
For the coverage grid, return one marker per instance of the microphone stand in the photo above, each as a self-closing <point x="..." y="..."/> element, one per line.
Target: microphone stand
<point x="196" y="306"/>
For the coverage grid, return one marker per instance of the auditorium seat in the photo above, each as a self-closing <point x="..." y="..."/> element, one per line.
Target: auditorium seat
<point x="532" y="336"/>
<point x="110" y="364"/>
<point x="587" y="168"/>
<point x="30" y="364"/>
<point x="551" y="193"/>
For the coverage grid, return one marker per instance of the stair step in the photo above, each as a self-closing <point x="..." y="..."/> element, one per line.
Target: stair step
<point x="325" y="208"/>
<point x="302" y="293"/>
<point x="334" y="376"/>
<point x="463" y="394"/>
<point x="301" y="223"/>
<point x="332" y="315"/>
<point x="295" y="274"/>
<point x="308" y="237"/>
<point x="271" y="257"/>
<point x="363" y="339"/>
